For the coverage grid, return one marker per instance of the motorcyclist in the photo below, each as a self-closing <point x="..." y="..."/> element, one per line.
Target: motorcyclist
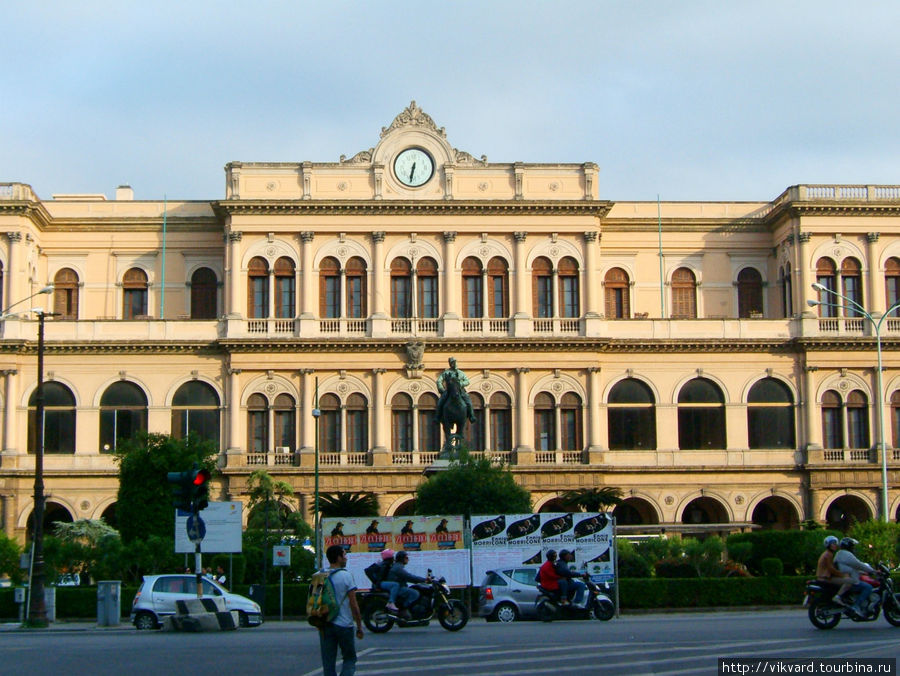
<point x="568" y="582"/>
<point x="827" y="572"/>
<point x="549" y="579"/>
<point x="390" y="586"/>
<point x="846" y="562"/>
<point x="406" y="595"/>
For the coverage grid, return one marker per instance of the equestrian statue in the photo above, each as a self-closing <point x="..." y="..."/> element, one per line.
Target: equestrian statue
<point x="454" y="407"/>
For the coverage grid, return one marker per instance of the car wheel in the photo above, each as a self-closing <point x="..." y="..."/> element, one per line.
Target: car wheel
<point x="145" y="620"/>
<point x="506" y="612"/>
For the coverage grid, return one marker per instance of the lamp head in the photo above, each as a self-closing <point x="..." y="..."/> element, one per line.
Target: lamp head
<point x="47" y="289"/>
<point x="819" y="287"/>
<point x="813" y="303"/>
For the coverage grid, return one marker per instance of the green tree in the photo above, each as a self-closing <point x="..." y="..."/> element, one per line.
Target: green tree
<point x="592" y="499"/>
<point x="349" y="504"/>
<point x="10" y="551"/>
<point x="80" y="546"/>
<point x="878" y="541"/>
<point x="472" y="485"/>
<point x="144" y="503"/>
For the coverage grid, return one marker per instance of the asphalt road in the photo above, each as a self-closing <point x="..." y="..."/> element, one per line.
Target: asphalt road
<point x="684" y="643"/>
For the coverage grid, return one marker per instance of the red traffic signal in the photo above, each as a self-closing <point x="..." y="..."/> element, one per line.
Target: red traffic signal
<point x="201" y="476"/>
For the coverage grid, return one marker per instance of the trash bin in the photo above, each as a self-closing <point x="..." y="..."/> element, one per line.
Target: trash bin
<point x="257" y="593"/>
<point x="109" y="606"/>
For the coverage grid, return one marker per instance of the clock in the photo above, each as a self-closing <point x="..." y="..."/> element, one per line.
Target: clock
<point x="413" y="167"/>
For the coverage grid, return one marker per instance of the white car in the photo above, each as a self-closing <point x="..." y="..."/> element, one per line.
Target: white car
<point x="158" y="593"/>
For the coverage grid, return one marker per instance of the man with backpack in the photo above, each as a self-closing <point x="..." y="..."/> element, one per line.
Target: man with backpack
<point x="338" y="632"/>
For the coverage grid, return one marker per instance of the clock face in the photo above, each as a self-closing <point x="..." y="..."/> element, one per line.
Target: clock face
<point x="413" y="167"/>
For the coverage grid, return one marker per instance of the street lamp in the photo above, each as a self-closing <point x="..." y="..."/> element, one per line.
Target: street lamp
<point x="316" y="413"/>
<point x="37" y="609"/>
<point x="852" y="305"/>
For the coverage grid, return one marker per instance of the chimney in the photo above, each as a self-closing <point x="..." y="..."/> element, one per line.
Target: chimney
<point x="124" y="193"/>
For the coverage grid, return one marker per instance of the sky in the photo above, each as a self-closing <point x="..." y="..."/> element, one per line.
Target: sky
<point x="689" y="100"/>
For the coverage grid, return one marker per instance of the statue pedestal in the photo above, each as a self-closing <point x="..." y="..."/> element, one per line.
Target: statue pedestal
<point x="438" y="465"/>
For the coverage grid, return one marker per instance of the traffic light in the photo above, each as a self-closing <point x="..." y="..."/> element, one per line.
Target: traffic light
<point x="190" y="489"/>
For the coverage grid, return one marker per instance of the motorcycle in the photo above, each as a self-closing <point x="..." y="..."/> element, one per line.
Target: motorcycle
<point x="596" y="606"/>
<point x="824" y="613"/>
<point x="434" y="601"/>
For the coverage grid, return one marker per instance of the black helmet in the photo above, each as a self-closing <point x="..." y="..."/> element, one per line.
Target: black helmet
<point x="849" y="544"/>
<point x="551" y="553"/>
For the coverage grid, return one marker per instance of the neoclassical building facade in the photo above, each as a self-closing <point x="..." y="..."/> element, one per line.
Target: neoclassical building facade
<point x="669" y="349"/>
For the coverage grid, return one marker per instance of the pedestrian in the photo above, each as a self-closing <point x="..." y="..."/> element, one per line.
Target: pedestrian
<point x="220" y="575"/>
<point x="339" y="632"/>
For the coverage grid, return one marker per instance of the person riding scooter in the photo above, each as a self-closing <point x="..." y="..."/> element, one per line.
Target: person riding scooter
<point x="405" y="595"/>
<point x="569" y="585"/>
<point x="847" y="562"/>
<point x="548" y="578"/>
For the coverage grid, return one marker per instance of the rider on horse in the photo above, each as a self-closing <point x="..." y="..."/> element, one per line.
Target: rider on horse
<point x="463" y="382"/>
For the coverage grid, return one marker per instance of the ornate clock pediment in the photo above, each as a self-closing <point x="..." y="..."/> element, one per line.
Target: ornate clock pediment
<point x="413" y="116"/>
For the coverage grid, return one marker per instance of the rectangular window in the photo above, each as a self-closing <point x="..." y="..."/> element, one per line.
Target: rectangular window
<point x="135" y="303"/>
<point x="428" y="303"/>
<point x="357" y="432"/>
<point x="545" y="434"/>
<point x="475" y="432"/>
<point x="544" y="297"/>
<point x="853" y="292"/>
<point x="284" y="297"/>
<point x="354" y="297"/>
<point x="474" y="296"/>
<point x="259" y="288"/>
<point x="285" y="429"/>
<point x="832" y="434"/>
<point x="257" y="432"/>
<point x="857" y="428"/>
<point x="402" y="431"/>
<point x="400" y="297"/>
<point x="571" y="430"/>
<point x="498" y="298"/>
<point x="429" y="431"/>
<point x="827" y="309"/>
<point x="332" y="305"/>
<point x="892" y="293"/>
<point x="501" y="430"/>
<point x="568" y="289"/>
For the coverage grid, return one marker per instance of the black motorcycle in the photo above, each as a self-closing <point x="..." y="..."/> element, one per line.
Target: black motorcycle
<point x="434" y="601"/>
<point x="824" y="613"/>
<point x="598" y="605"/>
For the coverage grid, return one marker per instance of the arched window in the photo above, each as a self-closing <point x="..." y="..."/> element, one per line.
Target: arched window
<point x="285" y="422"/>
<point x="851" y="285"/>
<point x="892" y="284"/>
<point x="770" y="415"/>
<point x="65" y="293"/>
<point x="475" y="431"/>
<point x="204" y="294"/>
<point x="501" y="422"/>
<point x="285" y="288"/>
<point x="401" y="423"/>
<point x="329" y="288"/>
<point x="832" y="420"/>
<point x="257" y="424"/>
<point x="895" y="418"/>
<point x="701" y="415"/>
<point x="123" y="413"/>
<point x="59" y="419"/>
<point x="570" y="422"/>
<point x="473" y="292"/>
<point x="544" y="423"/>
<point x="356" y="288"/>
<point x="195" y="408"/>
<point x="401" y="288"/>
<point x="429" y="427"/>
<point x="750" y="293"/>
<point x="684" y="294"/>
<point x="857" y="420"/>
<point x="330" y="424"/>
<point x="631" y="416"/>
<point x="542" y="287"/>
<point x="134" y="296"/>
<point x="258" y="288"/>
<point x="826" y="275"/>
<point x="427" y="291"/>
<point x="569" y="297"/>
<point x="357" y="424"/>
<point x="787" y="291"/>
<point x="498" y="288"/>
<point x="615" y="289"/>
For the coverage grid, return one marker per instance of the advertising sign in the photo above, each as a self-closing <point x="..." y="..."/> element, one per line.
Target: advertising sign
<point x="281" y="555"/>
<point x="223" y="529"/>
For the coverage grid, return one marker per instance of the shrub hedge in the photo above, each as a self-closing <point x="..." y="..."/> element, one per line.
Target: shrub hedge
<point x="798" y="549"/>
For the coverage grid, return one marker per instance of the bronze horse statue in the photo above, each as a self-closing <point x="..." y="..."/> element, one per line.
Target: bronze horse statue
<point x="453" y="417"/>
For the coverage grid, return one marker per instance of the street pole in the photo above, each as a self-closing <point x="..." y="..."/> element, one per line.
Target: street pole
<point x="853" y="306"/>
<point x="316" y="413"/>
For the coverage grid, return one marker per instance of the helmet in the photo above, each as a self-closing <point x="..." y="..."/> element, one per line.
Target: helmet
<point x="551" y="553"/>
<point x="849" y="544"/>
<point x="830" y="540"/>
<point x="387" y="554"/>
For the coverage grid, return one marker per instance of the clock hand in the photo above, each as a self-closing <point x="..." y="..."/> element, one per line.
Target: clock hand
<point x="412" y="171"/>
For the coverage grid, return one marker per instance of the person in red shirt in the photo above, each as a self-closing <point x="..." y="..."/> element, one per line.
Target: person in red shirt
<point x="547" y="576"/>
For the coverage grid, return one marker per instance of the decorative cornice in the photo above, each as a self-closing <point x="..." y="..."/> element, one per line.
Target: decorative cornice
<point x="413" y="116"/>
<point x="407" y="207"/>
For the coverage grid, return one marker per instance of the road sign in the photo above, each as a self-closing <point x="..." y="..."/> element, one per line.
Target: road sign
<point x="223" y="529"/>
<point x="281" y="556"/>
<point x="196" y="529"/>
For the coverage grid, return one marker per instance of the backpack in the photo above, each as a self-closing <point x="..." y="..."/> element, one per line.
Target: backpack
<point x="374" y="573"/>
<point x="321" y="603"/>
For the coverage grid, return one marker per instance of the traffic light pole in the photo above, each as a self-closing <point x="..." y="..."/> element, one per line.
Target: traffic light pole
<point x="198" y="567"/>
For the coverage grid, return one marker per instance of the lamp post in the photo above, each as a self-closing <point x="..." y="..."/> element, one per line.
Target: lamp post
<point x="37" y="609"/>
<point x="316" y="413"/>
<point x="850" y="304"/>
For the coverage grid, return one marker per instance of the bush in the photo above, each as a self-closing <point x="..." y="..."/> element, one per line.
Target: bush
<point x="740" y="552"/>
<point x="675" y="568"/>
<point x="798" y="549"/>
<point x="711" y="592"/>
<point x="632" y="565"/>
<point x="772" y="567"/>
<point x="878" y="541"/>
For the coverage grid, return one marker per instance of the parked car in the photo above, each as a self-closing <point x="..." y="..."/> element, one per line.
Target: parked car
<point x="509" y="594"/>
<point x="158" y="593"/>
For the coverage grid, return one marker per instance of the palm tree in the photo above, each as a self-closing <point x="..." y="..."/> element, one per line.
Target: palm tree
<point x="592" y="499"/>
<point x="345" y="503"/>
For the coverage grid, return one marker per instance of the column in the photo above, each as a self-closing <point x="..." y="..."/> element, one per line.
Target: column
<point x="803" y="291"/>
<point x="14" y="275"/>
<point x="233" y="275"/>
<point x="9" y="515"/>
<point x="485" y="294"/>
<point x="308" y="281"/>
<point x="271" y="313"/>
<point x="380" y="324"/>
<point x="9" y="414"/>
<point x="875" y="300"/>
<point x="234" y="417"/>
<point x="589" y="280"/>
<point x="414" y="291"/>
<point x="812" y="431"/>
<point x="415" y="428"/>
<point x="557" y="429"/>
<point x="380" y="451"/>
<point x="521" y="320"/>
<point x="307" y="421"/>
<point x="451" y="286"/>
<point x="488" y="446"/>
<point x="593" y="403"/>
<point x="524" y="426"/>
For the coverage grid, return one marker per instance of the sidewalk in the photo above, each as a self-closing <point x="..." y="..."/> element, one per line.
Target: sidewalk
<point x="125" y="626"/>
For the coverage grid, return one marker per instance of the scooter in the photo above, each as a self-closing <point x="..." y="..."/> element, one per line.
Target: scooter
<point x="434" y="601"/>
<point x="824" y="613"/>
<point x="597" y="604"/>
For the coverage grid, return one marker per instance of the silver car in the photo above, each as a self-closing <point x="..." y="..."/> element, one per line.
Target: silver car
<point x="508" y="594"/>
<point x="158" y="593"/>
